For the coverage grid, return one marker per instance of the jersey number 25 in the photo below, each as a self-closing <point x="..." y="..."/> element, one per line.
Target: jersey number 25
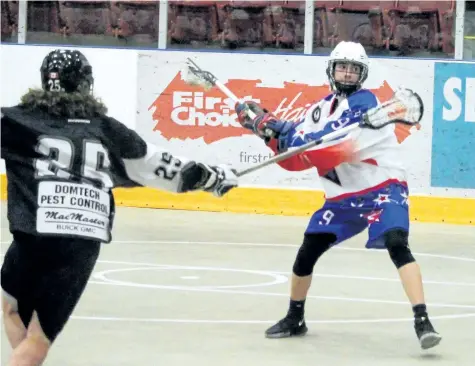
<point x="59" y="156"/>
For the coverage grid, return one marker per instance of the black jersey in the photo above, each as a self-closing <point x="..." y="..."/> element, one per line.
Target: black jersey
<point x="61" y="171"/>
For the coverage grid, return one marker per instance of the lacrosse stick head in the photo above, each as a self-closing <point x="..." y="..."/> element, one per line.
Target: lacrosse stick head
<point x="192" y="74"/>
<point x="405" y="107"/>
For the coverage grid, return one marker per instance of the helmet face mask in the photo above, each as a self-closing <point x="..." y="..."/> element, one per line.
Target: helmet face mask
<point x="66" y="71"/>
<point x="347" y="68"/>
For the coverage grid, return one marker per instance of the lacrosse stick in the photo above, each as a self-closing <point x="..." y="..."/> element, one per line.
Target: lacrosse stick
<point x="404" y="107"/>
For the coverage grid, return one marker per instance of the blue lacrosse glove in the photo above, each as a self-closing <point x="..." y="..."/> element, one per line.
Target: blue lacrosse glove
<point x="281" y="131"/>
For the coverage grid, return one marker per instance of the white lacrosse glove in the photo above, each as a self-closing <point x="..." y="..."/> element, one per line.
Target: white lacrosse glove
<point x="220" y="179"/>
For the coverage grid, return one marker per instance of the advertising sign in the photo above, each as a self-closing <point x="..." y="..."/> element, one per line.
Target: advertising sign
<point x="453" y="135"/>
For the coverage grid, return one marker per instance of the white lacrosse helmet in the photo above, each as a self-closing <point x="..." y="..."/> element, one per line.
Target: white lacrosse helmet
<point x="350" y="52"/>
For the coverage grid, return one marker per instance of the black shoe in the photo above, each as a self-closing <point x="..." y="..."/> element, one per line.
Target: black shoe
<point x="428" y="337"/>
<point x="287" y="327"/>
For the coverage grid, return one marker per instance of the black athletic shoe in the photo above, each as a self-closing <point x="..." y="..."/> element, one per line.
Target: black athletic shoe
<point x="428" y="337"/>
<point x="287" y="327"/>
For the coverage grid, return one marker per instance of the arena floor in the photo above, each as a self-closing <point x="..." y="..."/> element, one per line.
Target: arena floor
<point x="195" y="288"/>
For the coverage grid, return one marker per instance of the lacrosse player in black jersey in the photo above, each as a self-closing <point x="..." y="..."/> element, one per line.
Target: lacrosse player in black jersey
<point x="63" y="156"/>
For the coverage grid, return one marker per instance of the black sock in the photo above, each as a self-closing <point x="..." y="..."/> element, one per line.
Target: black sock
<point x="296" y="309"/>
<point x="420" y="310"/>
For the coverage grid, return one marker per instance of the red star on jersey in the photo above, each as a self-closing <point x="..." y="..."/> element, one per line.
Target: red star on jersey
<point x="382" y="198"/>
<point x="373" y="217"/>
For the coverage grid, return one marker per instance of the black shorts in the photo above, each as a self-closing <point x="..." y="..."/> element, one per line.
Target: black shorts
<point x="48" y="275"/>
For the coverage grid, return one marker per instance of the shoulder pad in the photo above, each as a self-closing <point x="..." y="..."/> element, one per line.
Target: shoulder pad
<point x="9" y="111"/>
<point x="363" y="98"/>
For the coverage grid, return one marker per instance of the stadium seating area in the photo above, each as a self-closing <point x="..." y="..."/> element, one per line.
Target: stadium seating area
<point x="407" y="28"/>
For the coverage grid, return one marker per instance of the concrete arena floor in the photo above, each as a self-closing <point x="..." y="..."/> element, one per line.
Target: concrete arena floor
<point x="197" y="288"/>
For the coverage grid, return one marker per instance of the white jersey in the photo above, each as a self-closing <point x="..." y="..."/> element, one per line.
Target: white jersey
<point x="362" y="161"/>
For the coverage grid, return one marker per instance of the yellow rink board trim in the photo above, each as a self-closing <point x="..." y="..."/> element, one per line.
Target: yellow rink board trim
<point x="281" y="202"/>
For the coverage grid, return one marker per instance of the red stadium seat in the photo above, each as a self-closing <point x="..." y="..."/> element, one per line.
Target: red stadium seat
<point x="43" y="16"/>
<point x="84" y="17"/>
<point x="192" y="21"/>
<point x="135" y="20"/>
<point x="421" y="26"/>
<point x="9" y="10"/>
<point x="245" y="23"/>
<point x="358" y="21"/>
<point x="289" y="23"/>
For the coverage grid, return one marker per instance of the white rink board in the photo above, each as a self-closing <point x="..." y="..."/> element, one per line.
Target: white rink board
<point x="130" y="81"/>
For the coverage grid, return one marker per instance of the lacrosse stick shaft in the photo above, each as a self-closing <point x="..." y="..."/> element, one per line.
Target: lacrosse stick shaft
<point x="331" y="136"/>
<point x="233" y="97"/>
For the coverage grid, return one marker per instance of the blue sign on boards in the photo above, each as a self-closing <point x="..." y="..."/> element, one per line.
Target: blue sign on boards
<point x="453" y="131"/>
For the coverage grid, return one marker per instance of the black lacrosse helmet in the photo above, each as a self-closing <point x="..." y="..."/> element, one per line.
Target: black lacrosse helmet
<point x="68" y="71"/>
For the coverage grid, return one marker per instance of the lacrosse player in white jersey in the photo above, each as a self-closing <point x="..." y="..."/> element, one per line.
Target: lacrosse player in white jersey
<point x="364" y="181"/>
